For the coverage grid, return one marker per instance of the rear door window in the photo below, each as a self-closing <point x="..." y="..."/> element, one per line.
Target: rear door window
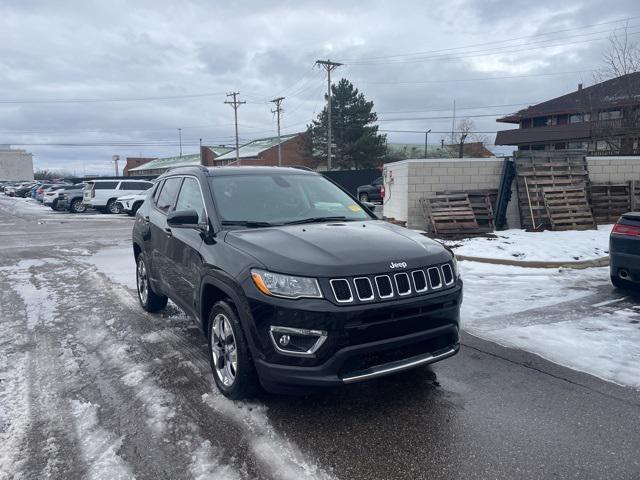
<point x="135" y="186"/>
<point x="168" y="194"/>
<point x="105" y="185"/>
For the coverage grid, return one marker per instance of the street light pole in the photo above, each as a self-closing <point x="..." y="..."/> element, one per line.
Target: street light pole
<point x="426" y="142"/>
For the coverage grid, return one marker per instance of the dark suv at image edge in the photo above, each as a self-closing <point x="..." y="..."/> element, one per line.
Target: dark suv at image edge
<point x="279" y="268"/>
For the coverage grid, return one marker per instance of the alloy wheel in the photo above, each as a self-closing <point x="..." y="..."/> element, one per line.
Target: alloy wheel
<point x="224" y="350"/>
<point x="142" y="281"/>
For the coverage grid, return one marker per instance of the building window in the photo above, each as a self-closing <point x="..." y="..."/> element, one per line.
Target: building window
<point x="610" y="115"/>
<point x="559" y="146"/>
<point x="576" y="146"/>
<point x="540" y="121"/>
<point x="537" y="147"/>
<point x="576" y="118"/>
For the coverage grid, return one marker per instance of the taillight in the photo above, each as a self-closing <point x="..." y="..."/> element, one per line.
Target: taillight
<point x="629" y="230"/>
<point x="382" y="191"/>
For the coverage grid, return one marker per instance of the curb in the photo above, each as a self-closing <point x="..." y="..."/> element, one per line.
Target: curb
<point x="578" y="265"/>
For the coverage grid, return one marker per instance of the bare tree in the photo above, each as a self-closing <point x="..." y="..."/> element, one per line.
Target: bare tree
<point x="622" y="56"/>
<point x="466" y="127"/>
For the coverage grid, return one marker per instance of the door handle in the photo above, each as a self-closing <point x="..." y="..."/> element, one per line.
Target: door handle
<point x="168" y="231"/>
<point x="146" y="218"/>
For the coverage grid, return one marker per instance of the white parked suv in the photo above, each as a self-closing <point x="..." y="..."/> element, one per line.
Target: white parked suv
<point x="102" y="194"/>
<point x="130" y="204"/>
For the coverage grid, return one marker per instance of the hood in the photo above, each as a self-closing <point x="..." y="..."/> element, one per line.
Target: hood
<point x="338" y="249"/>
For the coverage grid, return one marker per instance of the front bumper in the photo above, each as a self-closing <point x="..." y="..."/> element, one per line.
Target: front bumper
<point x="364" y="341"/>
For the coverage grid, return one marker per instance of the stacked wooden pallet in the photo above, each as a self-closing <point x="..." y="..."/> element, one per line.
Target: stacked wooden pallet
<point x="609" y="201"/>
<point x="459" y="214"/>
<point x="537" y="171"/>
<point x="568" y="208"/>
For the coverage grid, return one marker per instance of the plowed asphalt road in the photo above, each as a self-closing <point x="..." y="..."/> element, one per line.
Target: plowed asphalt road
<point x="93" y="387"/>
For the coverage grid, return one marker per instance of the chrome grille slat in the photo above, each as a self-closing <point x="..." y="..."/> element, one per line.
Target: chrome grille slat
<point x="432" y="283"/>
<point x="398" y="289"/>
<point x="377" y="280"/>
<point x="335" y="295"/>
<point x="358" y="280"/>
<point x="419" y="273"/>
<point x="446" y="269"/>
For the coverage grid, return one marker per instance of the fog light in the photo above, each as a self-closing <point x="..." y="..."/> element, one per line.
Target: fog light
<point x="296" y="341"/>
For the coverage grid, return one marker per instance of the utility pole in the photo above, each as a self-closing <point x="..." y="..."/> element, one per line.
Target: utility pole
<point x="453" y="123"/>
<point x="180" y="140"/>
<point x="328" y="65"/>
<point x="426" y="142"/>
<point x="278" y="111"/>
<point x="235" y="104"/>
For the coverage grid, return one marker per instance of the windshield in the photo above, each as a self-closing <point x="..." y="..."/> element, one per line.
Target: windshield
<point x="281" y="199"/>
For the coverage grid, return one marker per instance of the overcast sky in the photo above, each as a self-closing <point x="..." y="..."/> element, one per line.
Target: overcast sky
<point x="108" y="74"/>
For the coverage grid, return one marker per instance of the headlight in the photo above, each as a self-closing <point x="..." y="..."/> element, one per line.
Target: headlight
<point x="288" y="286"/>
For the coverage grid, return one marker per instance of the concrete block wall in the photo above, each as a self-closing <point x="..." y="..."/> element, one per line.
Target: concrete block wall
<point x="422" y="178"/>
<point x="613" y="169"/>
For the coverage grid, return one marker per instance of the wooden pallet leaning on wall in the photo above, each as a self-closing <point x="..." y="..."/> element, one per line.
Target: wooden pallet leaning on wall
<point x="450" y="215"/>
<point x="634" y="190"/>
<point x="568" y="208"/>
<point x="536" y="172"/>
<point x="483" y="204"/>
<point x="609" y="201"/>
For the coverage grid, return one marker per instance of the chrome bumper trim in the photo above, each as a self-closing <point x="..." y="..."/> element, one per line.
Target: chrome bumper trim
<point x="399" y="366"/>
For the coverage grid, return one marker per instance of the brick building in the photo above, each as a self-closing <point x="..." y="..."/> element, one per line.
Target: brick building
<point x="264" y="152"/>
<point x="133" y="162"/>
<point x="157" y="166"/>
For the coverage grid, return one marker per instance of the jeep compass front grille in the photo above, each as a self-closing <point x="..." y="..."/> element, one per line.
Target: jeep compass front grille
<point x="393" y="285"/>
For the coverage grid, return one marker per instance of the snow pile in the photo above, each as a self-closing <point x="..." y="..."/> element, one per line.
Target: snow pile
<point x="537" y="246"/>
<point x="282" y="458"/>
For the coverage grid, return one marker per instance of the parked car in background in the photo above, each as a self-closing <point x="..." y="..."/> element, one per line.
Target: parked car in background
<point x="51" y="196"/>
<point x="103" y="194"/>
<point x="73" y="200"/>
<point x="373" y="192"/>
<point x="23" y="190"/>
<point x="624" y="251"/>
<point x="270" y="262"/>
<point x="130" y="204"/>
<point x="40" y="191"/>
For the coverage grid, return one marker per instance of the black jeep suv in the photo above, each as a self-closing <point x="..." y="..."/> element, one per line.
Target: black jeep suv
<point x="279" y="268"/>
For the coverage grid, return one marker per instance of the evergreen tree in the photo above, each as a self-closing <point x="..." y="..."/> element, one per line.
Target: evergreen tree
<point x="355" y="140"/>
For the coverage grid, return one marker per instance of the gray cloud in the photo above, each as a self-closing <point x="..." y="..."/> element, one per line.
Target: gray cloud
<point x="110" y="50"/>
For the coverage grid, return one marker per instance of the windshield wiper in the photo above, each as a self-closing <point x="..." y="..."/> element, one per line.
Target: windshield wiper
<point x="247" y="223"/>
<point x="317" y="220"/>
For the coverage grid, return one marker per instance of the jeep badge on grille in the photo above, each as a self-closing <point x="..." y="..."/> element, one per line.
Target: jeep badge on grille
<point x="398" y="265"/>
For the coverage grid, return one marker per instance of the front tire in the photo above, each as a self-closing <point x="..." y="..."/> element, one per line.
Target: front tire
<point x="77" y="206"/>
<point x="149" y="299"/>
<point x="113" y="207"/>
<point x="229" y="356"/>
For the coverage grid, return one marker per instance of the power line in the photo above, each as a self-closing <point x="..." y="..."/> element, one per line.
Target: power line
<point x="465" y="55"/>
<point x="494" y="42"/>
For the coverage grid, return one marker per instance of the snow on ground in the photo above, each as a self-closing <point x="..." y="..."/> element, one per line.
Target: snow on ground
<point x="604" y="342"/>
<point x="537" y="246"/>
<point x="117" y="263"/>
<point x="495" y="290"/>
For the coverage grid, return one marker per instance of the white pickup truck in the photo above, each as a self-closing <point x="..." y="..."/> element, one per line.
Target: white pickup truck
<point x="103" y="194"/>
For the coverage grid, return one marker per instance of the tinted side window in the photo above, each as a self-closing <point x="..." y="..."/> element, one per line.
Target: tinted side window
<point x="168" y="194"/>
<point x="190" y="198"/>
<point x="105" y="185"/>
<point x="134" y="186"/>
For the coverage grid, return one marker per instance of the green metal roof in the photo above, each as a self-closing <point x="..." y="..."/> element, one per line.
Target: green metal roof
<point x="256" y="147"/>
<point x="169" y="162"/>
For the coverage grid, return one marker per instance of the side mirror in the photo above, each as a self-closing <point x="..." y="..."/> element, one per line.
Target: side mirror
<point x="183" y="219"/>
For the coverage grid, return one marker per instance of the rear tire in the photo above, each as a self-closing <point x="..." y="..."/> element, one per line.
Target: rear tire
<point x="77" y="206"/>
<point x="149" y="299"/>
<point x="364" y="197"/>
<point x="229" y="355"/>
<point x="113" y="207"/>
